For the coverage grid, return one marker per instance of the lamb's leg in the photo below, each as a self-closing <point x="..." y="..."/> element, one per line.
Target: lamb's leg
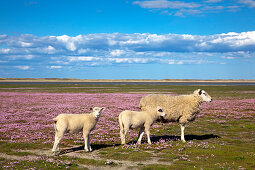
<point x="86" y="140"/>
<point x="89" y="147"/>
<point x="58" y="136"/>
<point x="182" y="132"/>
<point x="125" y="131"/>
<point x="140" y="135"/>
<point x="122" y="137"/>
<point x="147" y="131"/>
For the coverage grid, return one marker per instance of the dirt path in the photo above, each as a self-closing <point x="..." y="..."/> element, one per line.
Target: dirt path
<point x="121" y="164"/>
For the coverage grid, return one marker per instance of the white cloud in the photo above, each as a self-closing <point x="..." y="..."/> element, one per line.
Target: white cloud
<point x="25" y="44"/>
<point x="23" y="67"/>
<point x="195" y="8"/>
<point x="212" y="1"/>
<point x="129" y="60"/>
<point x="55" y="67"/>
<point x="4" y="50"/>
<point x="249" y="3"/>
<point x="99" y="49"/>
<point x="27" y="57"/>
<point x="117" y="52"/>
<point x="102" y="43"/>
<point x="83" y="58"/>
<point x="227" y="57"/>
<point x="166" y="4"/>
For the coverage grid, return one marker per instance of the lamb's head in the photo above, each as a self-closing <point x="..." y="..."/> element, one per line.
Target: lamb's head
<point x="97" y="111"/>
<point x="204" y="96"/>
<point x="160" y="112"/>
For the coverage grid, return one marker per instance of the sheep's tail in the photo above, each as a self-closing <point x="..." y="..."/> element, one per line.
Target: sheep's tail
<point x="121" y="124"/>
<point x="141" y="104"/>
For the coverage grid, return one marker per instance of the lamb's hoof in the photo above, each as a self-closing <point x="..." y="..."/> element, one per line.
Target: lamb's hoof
<point x="56" y="153"/>
<point x="184" y="141"/>
<point x="87" y="150"/>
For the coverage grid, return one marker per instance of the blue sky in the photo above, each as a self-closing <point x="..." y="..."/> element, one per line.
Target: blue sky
<point x="115" y="39"/>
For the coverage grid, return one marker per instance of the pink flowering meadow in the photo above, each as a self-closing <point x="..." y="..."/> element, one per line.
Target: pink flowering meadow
<point x="27" y="117"/>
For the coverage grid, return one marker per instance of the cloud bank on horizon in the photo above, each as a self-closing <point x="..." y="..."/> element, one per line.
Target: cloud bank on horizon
<point x="58" y="52"/>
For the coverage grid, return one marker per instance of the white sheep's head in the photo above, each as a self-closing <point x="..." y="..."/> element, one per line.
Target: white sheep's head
<point x="97" y="111"/>
<point x="160" y="111"/>
<point x="205" y="96"/>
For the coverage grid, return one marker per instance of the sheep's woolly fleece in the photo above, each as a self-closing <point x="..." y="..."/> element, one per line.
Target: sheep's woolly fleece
<point x="185" y="107"/>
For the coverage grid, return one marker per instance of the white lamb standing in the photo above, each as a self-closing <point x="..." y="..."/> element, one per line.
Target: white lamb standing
<point x="143" y="120"/>
<point x="181" y="109"/>
<point x="75" y="123"/>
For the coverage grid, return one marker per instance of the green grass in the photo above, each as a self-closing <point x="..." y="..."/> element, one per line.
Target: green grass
<point x="215" y="91"/>
<point x="11" y="148"/>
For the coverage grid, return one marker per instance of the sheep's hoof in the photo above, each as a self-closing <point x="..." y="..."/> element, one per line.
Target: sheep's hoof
<point x="184" y="141"/>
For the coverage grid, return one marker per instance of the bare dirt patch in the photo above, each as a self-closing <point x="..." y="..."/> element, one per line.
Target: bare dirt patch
<point x="78" y="152"/>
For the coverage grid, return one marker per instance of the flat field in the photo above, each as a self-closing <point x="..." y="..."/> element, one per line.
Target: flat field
<point x="222" y="136"/>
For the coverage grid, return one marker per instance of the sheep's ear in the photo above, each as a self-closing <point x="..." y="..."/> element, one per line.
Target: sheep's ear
<point x="200" y="91"/>
<point x="91" y="108"/>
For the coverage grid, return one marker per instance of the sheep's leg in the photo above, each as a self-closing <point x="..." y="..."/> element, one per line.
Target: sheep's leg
<point x="182" y="132"/>
<point x="147" y="131"/>
<point x="86" y="140"/>
<point x="140" y="135"/>
<point x="58" y="137"/>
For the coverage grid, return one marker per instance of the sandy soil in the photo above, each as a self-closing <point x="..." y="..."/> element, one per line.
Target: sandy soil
<point x="78" y="152"/>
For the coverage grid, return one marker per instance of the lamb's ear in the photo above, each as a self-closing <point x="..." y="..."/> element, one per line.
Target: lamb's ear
<point x="200" y="91"/>
<point x="159" y="109"/>
<point x="91" y="108"/>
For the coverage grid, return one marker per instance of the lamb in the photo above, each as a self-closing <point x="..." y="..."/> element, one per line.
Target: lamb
<point x="143" y="120"/>
<point x="75" y="123"/>
<point x="181" y="109"/>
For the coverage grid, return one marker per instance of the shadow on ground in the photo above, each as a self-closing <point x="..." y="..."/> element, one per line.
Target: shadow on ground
<point x="177" y="138"/>
<point x="81" y="148"/>
<point x="153" y="139"/>
<point x="187" y="137"/>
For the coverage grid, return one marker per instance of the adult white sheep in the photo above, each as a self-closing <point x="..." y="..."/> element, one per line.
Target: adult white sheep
<point x="143" y="120"/>
<point x="75" y="123"/>
<point x="181" y="109"/>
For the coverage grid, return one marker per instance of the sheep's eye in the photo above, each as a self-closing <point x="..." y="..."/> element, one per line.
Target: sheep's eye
<point x="160" y="110"/>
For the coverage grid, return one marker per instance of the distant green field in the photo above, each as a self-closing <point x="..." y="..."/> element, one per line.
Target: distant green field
<point x="222" y="137"/>
<point x="96" y="88"/>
